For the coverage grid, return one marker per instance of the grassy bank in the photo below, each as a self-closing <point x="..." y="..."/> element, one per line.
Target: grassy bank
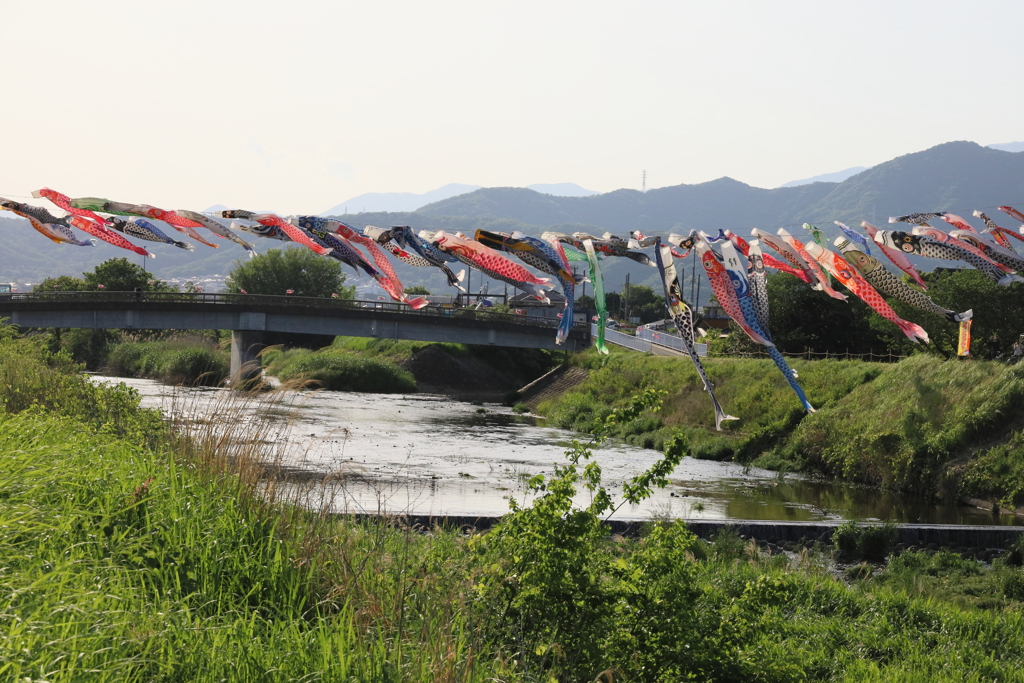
<point x="339" y="370"/>
<point x="752" y="390"/>
<point x="924" y="424"/>
<point x="391" y="366"/>
<point x="176" y="361"/>
<point x="921" y="424"/>
<point x="132" y="552"/>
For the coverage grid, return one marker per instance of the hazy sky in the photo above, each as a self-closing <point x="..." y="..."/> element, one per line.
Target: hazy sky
<point x="296" y="106"/>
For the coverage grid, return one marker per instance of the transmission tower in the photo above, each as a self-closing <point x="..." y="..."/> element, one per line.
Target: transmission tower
<point x="643" y="185"/>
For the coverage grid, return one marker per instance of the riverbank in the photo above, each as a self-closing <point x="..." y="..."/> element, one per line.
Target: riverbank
<point x="190" y="361"/>
<point x="134" y="553"/>
<point x="948" y="429"/>
<point x="480" y="373"/>
<point x="474" y="373"/>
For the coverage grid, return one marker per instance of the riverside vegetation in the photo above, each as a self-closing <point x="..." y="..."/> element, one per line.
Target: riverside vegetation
<point x="922" y="425"/>
<point x="137" y="548"/>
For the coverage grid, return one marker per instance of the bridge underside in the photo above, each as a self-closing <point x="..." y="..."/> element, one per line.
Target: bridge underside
<point x="248" y="326"/>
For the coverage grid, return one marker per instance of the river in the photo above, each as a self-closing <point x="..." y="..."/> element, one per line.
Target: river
<point x="431" y="455"/>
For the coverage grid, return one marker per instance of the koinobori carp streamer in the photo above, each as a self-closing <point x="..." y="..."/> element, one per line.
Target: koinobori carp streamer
<point x="142" y="229"/>
<point x="42" y="221"/>
<point x="737" y="271"/>
<point x="885" y="282"/>
<point x="89" y="222"/>
<point x="896" y="256"/>
<point x="677" y="311"/>
<point x="492" y="263"/>
<point x="767" y="259"/>
<point x="724" y="290"/>
<point x="853" y="281"/>
<point x="97" y="204"/>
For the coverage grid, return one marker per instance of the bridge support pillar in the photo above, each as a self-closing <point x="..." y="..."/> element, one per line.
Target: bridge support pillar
<point x="245" y="362"/>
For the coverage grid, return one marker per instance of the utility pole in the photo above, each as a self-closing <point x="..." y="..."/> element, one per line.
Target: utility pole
<point x="625" y="300"/>
<point x="693" y="281"/>
<point x="697" y="298"/>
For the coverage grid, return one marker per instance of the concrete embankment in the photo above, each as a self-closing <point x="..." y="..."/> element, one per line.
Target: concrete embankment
<point x="922" y="535"/>
<point x="552" y="384"/>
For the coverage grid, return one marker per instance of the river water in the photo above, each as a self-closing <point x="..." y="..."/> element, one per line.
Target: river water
<point x="431" y="455"/>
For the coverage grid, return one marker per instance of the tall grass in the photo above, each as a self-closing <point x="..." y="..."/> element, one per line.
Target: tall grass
<point x="904" y="428"/>
<point x="186" y="559"/>
<point x="340" y="370"/>
<point x="177" y="361"/>
<point x="130" y="551"/>
<point x="753" y="390"/>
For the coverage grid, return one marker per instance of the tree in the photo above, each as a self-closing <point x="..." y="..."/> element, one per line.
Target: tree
<point x="803" y="318"/>
<point x="998" y="311"/>
<point x="113" y="275"/>
<point x="417" y="289"/>
<point x="279" y="270"/>
<point x="643" y="303"/>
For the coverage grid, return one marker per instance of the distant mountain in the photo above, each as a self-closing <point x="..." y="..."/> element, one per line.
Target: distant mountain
<point x="562" y="189"/>
<point x="956" y="176"/>
<point x="837" y="177"/>
<point x="397" y="201"/>
<point x="373" y="202"/>
<point x="1009" y="146"/>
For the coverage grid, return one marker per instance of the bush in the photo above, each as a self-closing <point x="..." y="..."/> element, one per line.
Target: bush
<point x="875" y="542"/>
<point x="175" y="361"/>
<point x="870" y="543"/>
<point x="845" y="537"/>
<point x="1013" y="585"/>
<point x="342" y="371"/>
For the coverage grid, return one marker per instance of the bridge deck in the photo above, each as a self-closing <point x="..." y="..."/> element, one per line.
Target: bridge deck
<point x="304" y="315"/>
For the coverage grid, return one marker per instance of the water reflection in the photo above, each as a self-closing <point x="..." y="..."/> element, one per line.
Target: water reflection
<point x="423" y="454"/>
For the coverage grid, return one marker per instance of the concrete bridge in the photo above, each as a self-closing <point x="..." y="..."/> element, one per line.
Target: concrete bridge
<point x="248" y="316"/>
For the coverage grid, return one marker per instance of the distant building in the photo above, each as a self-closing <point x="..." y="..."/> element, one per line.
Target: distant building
<point x="525" y="302"/>
<point x="711" y="317"/>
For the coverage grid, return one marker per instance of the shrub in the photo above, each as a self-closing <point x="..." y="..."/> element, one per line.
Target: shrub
<point x="1013" y="585"/>
<point x="180" y="361"/>
<point x="845" y="537"/>
<point x="870" y="543"/>
<point x="876" y="541"/>
<point x="342" y="371"/>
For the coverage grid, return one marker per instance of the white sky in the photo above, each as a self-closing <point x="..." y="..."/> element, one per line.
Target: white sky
<point x="296" y="106"/>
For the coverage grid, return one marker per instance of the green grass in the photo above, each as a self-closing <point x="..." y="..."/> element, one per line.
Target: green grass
<point x="996" y="473"/>
<point x="753" y="390"/>
<point x="178" y="361"/>
<point x="340" y="370"/>
<point x="927" y="425"/>
<point x="131" y="552"/>
<point x="121" y="564"/>
<point x="368" y="364"/>
<point x="906" y="427"/>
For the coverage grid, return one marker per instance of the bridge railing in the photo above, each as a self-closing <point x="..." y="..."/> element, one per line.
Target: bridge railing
<point x="259" y="300"/>
<point x="671" y="341"/>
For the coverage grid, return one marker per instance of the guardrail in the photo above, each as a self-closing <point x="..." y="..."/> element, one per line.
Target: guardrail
<point x="670" y="341"/>
<point x="259" y="300"/>
<point x="619" y="339"/>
